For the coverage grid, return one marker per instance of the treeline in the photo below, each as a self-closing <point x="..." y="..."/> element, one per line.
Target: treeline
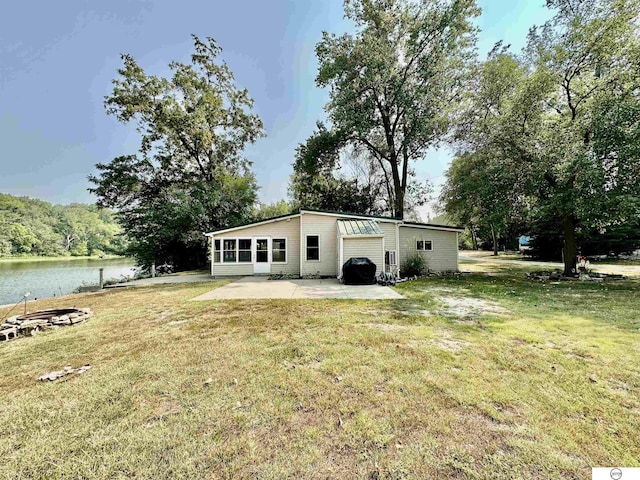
<point x="34" y="227"/>
<point x="548" y="139"/>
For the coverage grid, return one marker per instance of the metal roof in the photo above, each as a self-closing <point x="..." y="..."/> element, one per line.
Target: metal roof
<point x="358" y="227"/>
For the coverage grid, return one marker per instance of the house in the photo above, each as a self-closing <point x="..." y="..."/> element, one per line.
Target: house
<point x="316" y="242"/>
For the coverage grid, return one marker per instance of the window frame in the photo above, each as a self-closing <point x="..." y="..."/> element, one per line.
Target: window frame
<point x="250" y="250"/>
<point x="387" y="254"/>
<point x="306" y="248"/>
<point x="424" y="245"/>
<point x="286" y="250"/>
<point x="235" y="250"/>
<point x="218" y="251"/>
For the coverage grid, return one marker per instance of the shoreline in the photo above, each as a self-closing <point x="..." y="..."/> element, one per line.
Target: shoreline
<point x="66" y="258"/>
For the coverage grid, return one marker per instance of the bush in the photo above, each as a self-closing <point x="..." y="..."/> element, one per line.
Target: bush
<point x="414" y="265"/>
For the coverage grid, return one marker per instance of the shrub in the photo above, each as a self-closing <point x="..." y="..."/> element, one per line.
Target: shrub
<point x="414" y="265"/>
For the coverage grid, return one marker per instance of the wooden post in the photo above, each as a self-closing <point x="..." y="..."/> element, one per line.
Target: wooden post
<point x="101" y="283"/>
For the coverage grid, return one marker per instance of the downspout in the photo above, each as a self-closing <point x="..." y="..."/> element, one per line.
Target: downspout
<point x="213" y="255"/>
<point x="341" y="256"/>
<point x="397" y="272"/>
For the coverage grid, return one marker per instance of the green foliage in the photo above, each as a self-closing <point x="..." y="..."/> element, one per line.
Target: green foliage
<point x="560" y="123"/>
<point x="414" y="265"/>
<point x="316" y="182"/>
<point x="395" y="82"/>
<point x="190" y="175"/>
<point x="34" y="227"/>
<point x="270" y="210"/>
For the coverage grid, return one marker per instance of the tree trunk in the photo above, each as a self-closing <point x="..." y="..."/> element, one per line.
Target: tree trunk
<point x="398" y="192"/>
<point x="495" y="241"/>
<point x="474" y="238"/>
<point x="570" y="249"/>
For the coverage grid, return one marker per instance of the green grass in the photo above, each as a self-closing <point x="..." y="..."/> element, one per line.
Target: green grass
<point x="393" y="389"/>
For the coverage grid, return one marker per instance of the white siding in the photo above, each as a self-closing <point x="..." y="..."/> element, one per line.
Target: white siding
<point x="365" y="247"/>
<point x="326" y="228"/>
<point x="443" y="257"/>
<point x="288" y="228"/>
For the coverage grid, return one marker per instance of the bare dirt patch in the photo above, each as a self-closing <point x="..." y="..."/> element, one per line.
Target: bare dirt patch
<point x="467" y="308"/>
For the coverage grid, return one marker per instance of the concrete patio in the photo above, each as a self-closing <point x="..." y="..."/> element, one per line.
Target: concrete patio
<point x="261" y="287"/>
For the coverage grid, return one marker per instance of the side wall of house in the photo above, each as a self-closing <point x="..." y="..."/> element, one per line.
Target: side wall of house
<point x="365" y="247"/>
<point x="325" y="226"/>
<point x="288" y="228"/>
<point x="443" y="257"/>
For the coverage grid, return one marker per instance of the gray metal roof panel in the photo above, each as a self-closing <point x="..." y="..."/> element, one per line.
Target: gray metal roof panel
<point x="358" y="227"/>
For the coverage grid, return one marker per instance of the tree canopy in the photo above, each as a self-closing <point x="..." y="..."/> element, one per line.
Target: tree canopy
<point x="394" y="84"/>
<point x="559" y="122"/>
<point x="189" y="175"/>
<point x="34" y="227"/>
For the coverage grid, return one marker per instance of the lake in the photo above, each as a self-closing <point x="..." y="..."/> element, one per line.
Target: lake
<point x="56" y="277"/>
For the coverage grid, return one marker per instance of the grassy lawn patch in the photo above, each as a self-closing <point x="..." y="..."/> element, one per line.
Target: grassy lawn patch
<point x="487" y="375"/>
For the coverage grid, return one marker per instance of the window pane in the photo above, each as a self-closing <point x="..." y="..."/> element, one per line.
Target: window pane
<point x="279" y="246"/>
<point x="420" y="245"/>
<point x="428" y="245"/>
<point x="244" y="256"/>
<point x="313" y="241"/>
<point x="313" y="253"/>
<point x="216" y="244"/>
<point x="262" y="256"/>
<point x="216" y="257"/>
<point x="244" y="244"/>
<point x="229" y="253"/>
<point x="262" y="245"/>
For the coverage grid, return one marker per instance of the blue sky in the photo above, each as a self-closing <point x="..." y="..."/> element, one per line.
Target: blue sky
<point x="57" y="60"/>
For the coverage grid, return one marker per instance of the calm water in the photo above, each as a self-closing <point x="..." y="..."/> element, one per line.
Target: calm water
<point x="55" y="278"/>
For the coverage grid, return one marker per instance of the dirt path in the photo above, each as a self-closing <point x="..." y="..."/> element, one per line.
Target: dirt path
<point x="629" y="270"/>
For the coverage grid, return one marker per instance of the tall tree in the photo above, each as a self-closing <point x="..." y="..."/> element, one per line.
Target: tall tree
<point x="395" y="82"/>
<point x="190" y="174"/>
<point x="317" y="182"/>
<point x="555" y="117"/>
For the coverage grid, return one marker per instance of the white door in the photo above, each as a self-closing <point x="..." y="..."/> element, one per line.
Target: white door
<point x="262" y="257"/>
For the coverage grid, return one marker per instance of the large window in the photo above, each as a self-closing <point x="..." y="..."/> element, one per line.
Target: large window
<point x="313" y="248"/>
<point x="244" y="250"/>
<point x="279" y="250"/>
<point x="216" y="251"/>
<point x="229" y="251"/>
<point x="424" y="245"/>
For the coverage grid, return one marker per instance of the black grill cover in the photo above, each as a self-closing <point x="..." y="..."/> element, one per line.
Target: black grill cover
<point x="359" y="271"/>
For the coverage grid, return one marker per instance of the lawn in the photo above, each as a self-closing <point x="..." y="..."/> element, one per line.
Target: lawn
<point x="486" y="375"/>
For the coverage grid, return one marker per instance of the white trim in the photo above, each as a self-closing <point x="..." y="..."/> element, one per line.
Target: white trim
<point x="254" y="250"/>
<point x="395" y="258"/>
<point x="222" y="250"/>
<point x="263" y="222"/>
<point x="340" y="256"/>
<point x="383" y="265"/>
<point x="306" y="259"/>
<point x="213" y="253"/>
<point x="431" y="227"/>
<point x="424" y="243"/>
<point x="356" y="235"/>
<point x="286" y="250"/>
<point x="244" y="250"/>
<point x="337" y="215"/>
<point x="351" y="215"/>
